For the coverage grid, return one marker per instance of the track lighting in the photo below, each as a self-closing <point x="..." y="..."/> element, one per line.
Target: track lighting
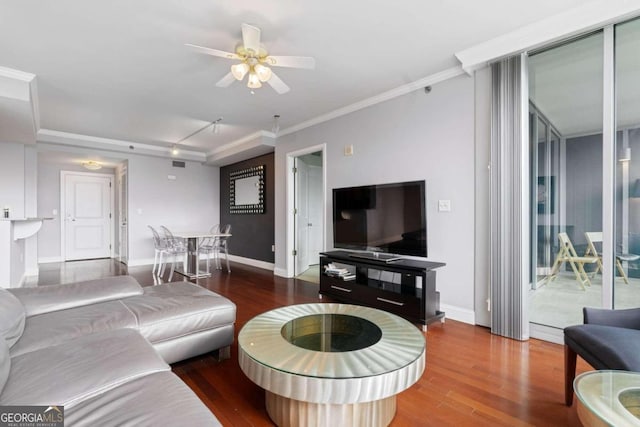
<point x="216" y="125"/>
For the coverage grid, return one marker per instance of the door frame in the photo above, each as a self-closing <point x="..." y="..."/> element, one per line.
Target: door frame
<point x="290" y="239"/>
<point x="123" y="171"/>
<point x="63" y="175"/>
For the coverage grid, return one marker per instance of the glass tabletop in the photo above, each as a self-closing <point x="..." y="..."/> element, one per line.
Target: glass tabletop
<point x="331" y="341"/>
<point x="613" y="396"/>
<point x="331" y="332"/>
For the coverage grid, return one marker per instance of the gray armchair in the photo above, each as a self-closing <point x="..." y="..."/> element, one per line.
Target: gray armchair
<point x="608" y="339"/>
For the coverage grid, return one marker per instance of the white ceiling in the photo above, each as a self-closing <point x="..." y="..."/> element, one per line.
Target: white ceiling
<point x="120" y="70"/>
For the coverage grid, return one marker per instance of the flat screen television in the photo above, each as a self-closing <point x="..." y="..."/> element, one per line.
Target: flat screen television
<point x="388" y="218"/>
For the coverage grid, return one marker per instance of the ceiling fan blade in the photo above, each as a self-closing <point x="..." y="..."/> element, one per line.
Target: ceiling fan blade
<point x="277" y="84"/>
<point x="226" y="80"/>
<point x="214" y="52"/>
<point x="251" y="37"/>
<point x="291" y="61"/>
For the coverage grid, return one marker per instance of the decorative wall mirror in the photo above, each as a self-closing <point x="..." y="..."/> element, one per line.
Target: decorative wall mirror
<point x="246" y="191"/>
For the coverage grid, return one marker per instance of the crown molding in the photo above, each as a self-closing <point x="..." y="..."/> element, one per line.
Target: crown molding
<point x="377" y="99"/>
<point x="35" y="105"/>
<point x="58" y="137"/>
<point x="587" y="17"/>
<point x="241" y="141"/>
<point x="256" y="144"/>
<point x="16" y="74"/>
<point x="87" y="141"/>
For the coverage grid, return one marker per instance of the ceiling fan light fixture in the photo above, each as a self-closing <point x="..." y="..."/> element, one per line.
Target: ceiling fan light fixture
<point x="239" y="70"/>
<point x="263" y="72"/>
<point x="254" y="81"/>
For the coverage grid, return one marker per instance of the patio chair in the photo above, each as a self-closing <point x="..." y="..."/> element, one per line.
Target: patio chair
<point x="567" y="253"/>
<point x="594" y="237"/>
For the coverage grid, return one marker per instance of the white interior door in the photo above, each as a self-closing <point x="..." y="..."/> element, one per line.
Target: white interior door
<point x="316" y="206"/>
<point x="87" y="215"/>
<point x="122" y="216"/>
<point x="302" y="216"/>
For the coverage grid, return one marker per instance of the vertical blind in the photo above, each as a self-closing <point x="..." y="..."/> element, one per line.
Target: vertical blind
<point x="508" y="202"/>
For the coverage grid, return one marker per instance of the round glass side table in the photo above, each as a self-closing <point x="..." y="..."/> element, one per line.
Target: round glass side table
<point x="608" y="398"/>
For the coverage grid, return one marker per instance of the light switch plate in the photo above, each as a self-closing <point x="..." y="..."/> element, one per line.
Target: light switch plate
<point x="348" y="150"/>
<point x="444" y="205"/>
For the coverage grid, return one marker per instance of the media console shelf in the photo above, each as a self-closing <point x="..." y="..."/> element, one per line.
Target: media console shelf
<point x="406" y="287"/>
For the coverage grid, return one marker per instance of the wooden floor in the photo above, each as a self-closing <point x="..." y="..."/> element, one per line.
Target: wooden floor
<point x="472" y="378"/>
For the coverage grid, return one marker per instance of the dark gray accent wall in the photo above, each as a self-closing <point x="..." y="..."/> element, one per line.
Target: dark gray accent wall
<point x="253" y="234"/>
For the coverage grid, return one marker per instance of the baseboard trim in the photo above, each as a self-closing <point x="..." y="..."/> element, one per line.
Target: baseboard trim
<point x="139" y="262"/>
<point x="242" y="260"/>
<point x="457" y="313"/>
<point x="34" y="272"/>
<point x="252" y="262"/>
<point x="282" y="272"/>
<point x="546" y="333"/>
<point x="46" y="260"/>
<point x="22" y="280"/>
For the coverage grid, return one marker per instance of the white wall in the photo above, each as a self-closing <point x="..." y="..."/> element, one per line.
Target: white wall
<point x="413" y="137"/>
<point x="12" y="185"/>
<point x="31" y="207"/>
<point x="191" y="202"/>
<point x="48" y="200"/>
<point x="483" y="194"/>
<point x="12" y="195"/>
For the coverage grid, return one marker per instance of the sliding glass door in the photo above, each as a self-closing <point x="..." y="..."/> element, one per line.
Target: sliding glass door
<point x="626" y="288"/>
<point x="565" y="92"/>
<point x="585" y="202"/>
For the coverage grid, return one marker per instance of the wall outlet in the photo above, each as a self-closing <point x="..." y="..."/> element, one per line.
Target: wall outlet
<point x="54" y="212"/>
<point x="444" y="205"/>
<point x="139" y="211"/>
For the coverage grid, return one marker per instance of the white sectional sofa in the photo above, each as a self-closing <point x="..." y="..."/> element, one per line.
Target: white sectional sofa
<point x="101" y="349"/>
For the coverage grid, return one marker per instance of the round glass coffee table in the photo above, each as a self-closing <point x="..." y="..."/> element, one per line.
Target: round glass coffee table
<point x="331" y="364"/>
<point x="608" y="398"/>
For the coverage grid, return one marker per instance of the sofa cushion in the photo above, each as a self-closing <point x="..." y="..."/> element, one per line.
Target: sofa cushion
<point x="58" y="327"/>
<point x="79" y="369"/>
<point x="160" y="399"/>
<point x="12" y="316"/>
<point x="45" y="299"/>
<point x="605" y="347"/>
<point x="174" y="310"/>
<point x="5" y="363"/>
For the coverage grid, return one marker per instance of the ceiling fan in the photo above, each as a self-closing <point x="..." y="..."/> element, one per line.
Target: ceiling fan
<point x="256" y="62"/>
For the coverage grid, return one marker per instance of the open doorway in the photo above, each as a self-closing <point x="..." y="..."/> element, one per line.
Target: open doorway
<point x="306" y="196"/>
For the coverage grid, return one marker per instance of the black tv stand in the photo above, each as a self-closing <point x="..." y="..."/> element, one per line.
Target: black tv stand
<point x="406" y="287"/>
<point x="376" y="256"/>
